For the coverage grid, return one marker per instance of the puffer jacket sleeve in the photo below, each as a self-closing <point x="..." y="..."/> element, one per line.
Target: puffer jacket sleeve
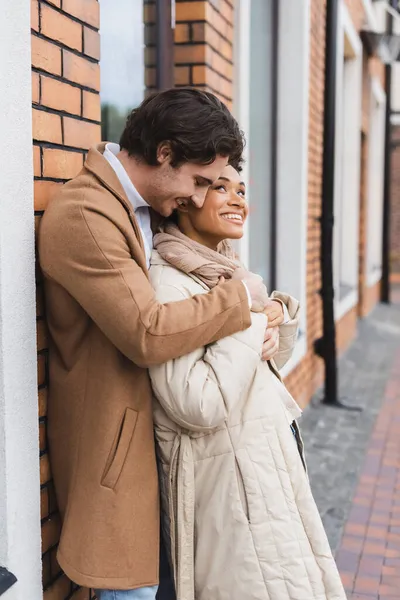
<point x="198" y="389"/>
<point x="288" y="331"/>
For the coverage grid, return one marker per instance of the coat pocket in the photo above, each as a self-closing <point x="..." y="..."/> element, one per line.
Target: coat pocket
<point x="119" y="450"/>
<point x="242" y="490"/>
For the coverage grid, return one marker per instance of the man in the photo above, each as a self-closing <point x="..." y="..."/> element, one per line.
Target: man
<point x="106" y="328"/>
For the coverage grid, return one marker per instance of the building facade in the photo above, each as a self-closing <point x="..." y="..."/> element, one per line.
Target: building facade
<point x="84" y="65"/>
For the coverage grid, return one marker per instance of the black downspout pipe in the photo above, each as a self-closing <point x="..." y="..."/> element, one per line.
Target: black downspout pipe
<point x="385" y="285"/>
<point x="165" y="44"/>
<point x="326" y="346"/>
<point x="274" y="144"/>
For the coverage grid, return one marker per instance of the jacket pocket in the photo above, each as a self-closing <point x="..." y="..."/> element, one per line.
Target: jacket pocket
<point x="119" y="450"/>
<point x="242" y="490"/>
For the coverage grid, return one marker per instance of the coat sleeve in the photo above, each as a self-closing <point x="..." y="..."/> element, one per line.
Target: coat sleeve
<point x="198" y="389"/>
<point x="84" y="249"/>
<point x="288" y="331"/>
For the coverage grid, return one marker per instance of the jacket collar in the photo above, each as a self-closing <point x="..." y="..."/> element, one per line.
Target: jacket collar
<point x="101" y="168"/>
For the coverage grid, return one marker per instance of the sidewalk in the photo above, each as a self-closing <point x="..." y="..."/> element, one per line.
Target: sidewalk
<point x="354" y="460"/>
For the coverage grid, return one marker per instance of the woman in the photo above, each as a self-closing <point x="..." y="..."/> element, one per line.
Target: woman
<point x="237" y="505"/>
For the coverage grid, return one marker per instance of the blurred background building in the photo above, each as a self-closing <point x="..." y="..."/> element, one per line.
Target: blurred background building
<point x="308" y="81"/>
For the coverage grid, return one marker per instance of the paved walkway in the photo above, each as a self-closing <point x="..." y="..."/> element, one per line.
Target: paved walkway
<point x="369" y="553"/>
<point x="354" y="460"/>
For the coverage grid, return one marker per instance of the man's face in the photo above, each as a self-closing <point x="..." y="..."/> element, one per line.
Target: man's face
<point x="171" y="187"/>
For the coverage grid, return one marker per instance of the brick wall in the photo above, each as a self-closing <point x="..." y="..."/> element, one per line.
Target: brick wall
<point x="203" y="46"/>
<point x="66" y="114"/>
<point x="395" y="209"/>
<point x="306" y="378"/>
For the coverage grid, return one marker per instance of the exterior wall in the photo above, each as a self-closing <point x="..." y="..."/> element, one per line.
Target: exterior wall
<point x="395" y="208"/>
<point x="65" y="116"/>
<point x="345" y="330"/>
<point x="19" y="447"/>
<point x="203" y="46"/>
<point x="308" y="375"/>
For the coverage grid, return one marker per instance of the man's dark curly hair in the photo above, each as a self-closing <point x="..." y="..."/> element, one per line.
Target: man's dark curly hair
<point x="196" y="124"/>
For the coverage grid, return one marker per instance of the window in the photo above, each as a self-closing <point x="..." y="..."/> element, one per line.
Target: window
<point x="347" y="164"/>
<point x="122" y="63"/>
<point x="271" y="69"/>
<point x="261" y="136"/>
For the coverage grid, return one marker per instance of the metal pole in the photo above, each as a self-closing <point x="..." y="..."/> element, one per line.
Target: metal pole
<point x="327" y="346"/>
<point x="385" y="285"/>
<point x="274" y="141"/>
<point x="165" y="24"/>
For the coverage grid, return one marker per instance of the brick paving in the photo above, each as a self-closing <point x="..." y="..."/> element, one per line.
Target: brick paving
<point x="354" y="460"/>
<point x="369" y="553"/>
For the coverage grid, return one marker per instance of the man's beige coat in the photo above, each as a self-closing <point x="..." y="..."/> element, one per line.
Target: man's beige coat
<point x="106" y="328"/>
<point x="237" y="503"/>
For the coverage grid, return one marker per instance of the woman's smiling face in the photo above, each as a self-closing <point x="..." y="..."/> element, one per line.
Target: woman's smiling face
<point x="223" y="214"/>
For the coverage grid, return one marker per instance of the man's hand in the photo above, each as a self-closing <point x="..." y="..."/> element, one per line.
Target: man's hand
<point x="256" y="288"/>
<point x="271" y="343"/>
<point x="274" y="312"/>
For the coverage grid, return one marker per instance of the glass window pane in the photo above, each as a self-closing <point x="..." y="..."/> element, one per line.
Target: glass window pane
<point x="260" y="145"/>
<point x="121" y="64"/>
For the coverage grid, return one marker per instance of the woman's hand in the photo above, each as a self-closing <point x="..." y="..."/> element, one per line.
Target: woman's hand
<point x="271" y="343"/>
<point x="274" y="311"/>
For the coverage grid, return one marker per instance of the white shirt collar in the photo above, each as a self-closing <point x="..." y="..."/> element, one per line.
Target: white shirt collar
<point x="110" y="154"/>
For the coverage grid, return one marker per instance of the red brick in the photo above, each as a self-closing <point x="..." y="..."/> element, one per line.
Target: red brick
<point x="39" y="290"/>
<point x="44" y="469"/>
<point x="149" y="13"/>
<point x="58" y="27"/>
<point x="81" y="134"/>
<point x="37" y="168"/>
<point x="347" y="580"/>
<point x="369" y="585"/>
<point x="35" y="15"/>
<point x="150" y="77"/>
<point x="42" y="437"/>
<point x="46" y="56"/>
<point x="35" y="88"/>
<point x="182" y="75"/>
<point x="80" y="70"/>
<point x="44" y="192"/>
<point x="60" y="589"/>
<point x="61" y="96"/>
<point x="50" y="533"/>
<point x="61" y="164"/>
<point x="91" y="43"/>
<point x="42" y="396"/>
<point x="41" y="335"/>
<point x="196" y="53"/>
<point x="181" y="33"/>
<point x="44" y="503"/>
<point x="191" y="11"/>
<point x="46" y="127"/>
<point x="85" y="10"/>
<point x="91" y="106"/>
<point x="389" y="591"/>
<point x="199" y="74"/>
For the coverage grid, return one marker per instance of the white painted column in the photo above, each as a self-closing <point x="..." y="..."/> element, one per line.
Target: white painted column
<point x="20" y="549"/>
<point x="241" y="99"/>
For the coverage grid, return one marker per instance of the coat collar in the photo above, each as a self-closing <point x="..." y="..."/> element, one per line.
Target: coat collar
<point x="101" y="168"/>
